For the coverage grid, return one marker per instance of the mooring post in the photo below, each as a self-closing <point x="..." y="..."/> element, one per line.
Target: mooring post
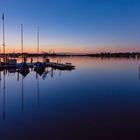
<point x="139" y="73"/>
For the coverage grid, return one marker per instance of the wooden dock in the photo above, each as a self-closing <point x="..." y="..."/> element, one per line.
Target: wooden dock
<point x="6" y="66"/>
<point x="59" y="66"/>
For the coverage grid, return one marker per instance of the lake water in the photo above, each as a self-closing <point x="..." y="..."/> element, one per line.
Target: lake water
<point x="98" y="100"/>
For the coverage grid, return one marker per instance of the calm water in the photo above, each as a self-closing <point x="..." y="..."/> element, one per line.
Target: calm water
<point x="100" y="99"/>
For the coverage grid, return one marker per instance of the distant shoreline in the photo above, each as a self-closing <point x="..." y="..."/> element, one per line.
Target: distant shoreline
<point x="133" y="55"/>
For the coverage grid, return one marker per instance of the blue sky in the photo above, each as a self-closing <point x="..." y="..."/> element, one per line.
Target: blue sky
<point x="70" y="24"/>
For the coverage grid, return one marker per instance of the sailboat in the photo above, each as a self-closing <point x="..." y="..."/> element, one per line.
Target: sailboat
<point x="7" y="63"/>
<point x="22" y="66"/>
<point x="38" y="66"/>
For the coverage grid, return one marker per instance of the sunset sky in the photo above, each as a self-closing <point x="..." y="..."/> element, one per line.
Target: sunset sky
<point x="72" y="25"/>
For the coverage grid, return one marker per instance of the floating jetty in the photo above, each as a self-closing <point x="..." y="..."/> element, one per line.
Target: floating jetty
<point x="66" y="66"/>
<point x="7" y="66"/>
<point x="42" y="65"/>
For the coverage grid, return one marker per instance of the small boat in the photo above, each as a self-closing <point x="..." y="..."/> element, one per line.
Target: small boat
<point x="66" y="66"/>
<point x="10" y="63"/>
<point x="39" y="66"/>
<point x="22" y="66"/>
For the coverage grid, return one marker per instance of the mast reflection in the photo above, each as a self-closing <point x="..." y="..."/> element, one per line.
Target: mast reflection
<point x="20" y="77"/>
<point x="2" y="85"/>
<point x="23" y="73"/>
<point x="38" y="90"/>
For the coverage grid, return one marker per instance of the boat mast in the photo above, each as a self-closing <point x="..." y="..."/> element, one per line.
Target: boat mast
<point x="3" y="34"/>
<point x="22" y="41"/>
<point x="4" y="70"/>
<point x="37" y="43"/>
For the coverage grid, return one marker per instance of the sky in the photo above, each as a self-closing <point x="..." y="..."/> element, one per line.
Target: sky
<point x="78" y="26"/>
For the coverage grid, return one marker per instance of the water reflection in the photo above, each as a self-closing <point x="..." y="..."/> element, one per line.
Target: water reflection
<point x="21" y="76"/>
<point x="4" y="72"/>
<point x="96" y="98"/>
<point x="38" y="95"/>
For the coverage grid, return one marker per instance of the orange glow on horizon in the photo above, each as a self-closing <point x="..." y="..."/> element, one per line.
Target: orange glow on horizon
<point x="71" y="49"/>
